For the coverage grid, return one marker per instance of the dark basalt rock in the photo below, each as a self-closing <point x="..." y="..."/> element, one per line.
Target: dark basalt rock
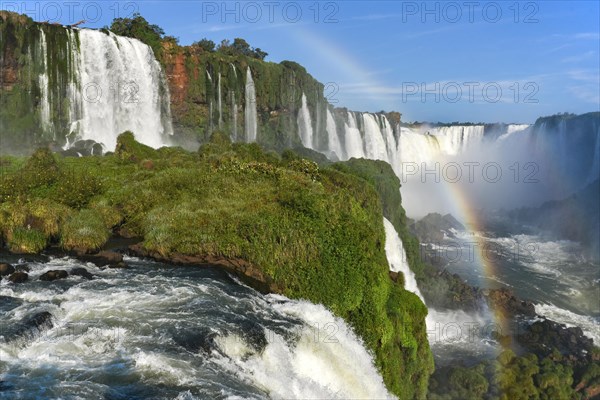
<point x="23" y="268"/>
<point x="120" y="264"/>
<point x="254" y="335"/>
<point x="18" y="277"/>
<point x="28" y="326"/>
<point x="83" y="148"/>
<point x="541" y="337"/>
<point x="103" y="258"/>
<point x="201" y="340"/>
<point x="54" y="275"/>
<point x="505" y="301"/>
<point x="82" y="272"/>
<point x="6" y="269"/>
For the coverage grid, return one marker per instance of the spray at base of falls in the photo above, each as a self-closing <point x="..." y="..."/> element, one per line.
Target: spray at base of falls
<point x="445" y="329"/>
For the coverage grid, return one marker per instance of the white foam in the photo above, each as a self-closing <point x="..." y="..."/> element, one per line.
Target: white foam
<point x="327" y="361"/>
<point x="589" y="325"/>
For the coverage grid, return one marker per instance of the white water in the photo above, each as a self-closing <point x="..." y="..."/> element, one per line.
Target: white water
<point x="120" y="85"/>
<point x="353" y="139"/>
<point x="394" y="250"/>
<point x="450" y="331"/>
<point x="234" y="111"/>
<point x="250" y="113"/>
<point x="130" y="326"/>
<point x="327" y="362"/>
<point x="332" y="136"/>
<point x="44" y="84"/>
<point x="589" y="325"/>
<point x="305" y="124"/>
<point x="375" y="145"/>
<point x="220" y="103"/>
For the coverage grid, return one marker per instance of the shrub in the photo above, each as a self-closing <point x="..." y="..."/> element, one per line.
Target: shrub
<point x="84" y="232"/>
<point x="48" y="215"/>
<point x="128" y="149"/>
<point x="27" y="241"/>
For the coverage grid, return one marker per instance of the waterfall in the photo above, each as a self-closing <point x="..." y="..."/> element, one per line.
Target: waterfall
<point x="394" y="250"/>
<point x="354" y="142"/>
<point x="234" y="109"/>
<point x="233" y="116"/>
<point x="305" y="124"/>
<point x="333" y="138"/>
<point x="375" y="145"/>
<point x="220" y="103"/>
<point x="388" y="135"/>
<point x="44" y="84"/>
<point x="250" y="115"/>
<point x="120" y="88"/>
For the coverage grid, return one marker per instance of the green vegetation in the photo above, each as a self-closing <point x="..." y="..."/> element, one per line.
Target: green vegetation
<point x="83" y="232"/>
<point x="316" y="232"/>
<point x="241" y="47"/>
<point x="138" y="28"/>
<point x="512" y="377"/>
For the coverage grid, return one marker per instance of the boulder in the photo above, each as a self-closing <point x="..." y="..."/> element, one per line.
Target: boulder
<point x="28" y="326"/>
<point x="18" y="277"/>
<point x="54" y="275"/>
<point x="118" y="265"/>
<point x="103" y="258"/>
<point x="6" y="269"/>
<point x="504" y="300"/>
<point x="82" y="272"/>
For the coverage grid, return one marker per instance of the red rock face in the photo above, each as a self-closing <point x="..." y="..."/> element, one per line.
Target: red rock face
<point x="177" y="77"/>
<point x="9" y="70"/>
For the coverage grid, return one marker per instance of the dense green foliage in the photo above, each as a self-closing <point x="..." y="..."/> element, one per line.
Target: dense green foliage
<point x="512" y="377"/>
<point x="316" y="232"/>
<point x="21" y="125"/>
<point x="138" y="28"/>
<point x="386" y="183"/>
<point x="240" y="47"/>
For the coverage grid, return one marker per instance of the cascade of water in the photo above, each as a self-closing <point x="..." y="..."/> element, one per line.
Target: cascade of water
<point x="233" y="116"/>
<point x="394" y="250"/>
<point x="121" y="86"/>
<point x="44" y="83"/>
<point x="387" y="133"/>
<point x="305" y="124"/>
<point x="220" y="103"/>
<point x="250" y="115"/>
<point x="375" y="145"/>
<point x="333" y="139"/>
<point x="354" y="141"/>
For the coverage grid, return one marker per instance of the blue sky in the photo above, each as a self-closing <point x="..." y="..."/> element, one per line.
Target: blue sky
<point x="433" y="61"/>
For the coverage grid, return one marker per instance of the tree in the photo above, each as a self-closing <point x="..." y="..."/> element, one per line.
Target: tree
<point x="205" y="44"/>
<point x="240" y="46"/>
<point x="258" y="53"/>
<point x="138" y="28"/>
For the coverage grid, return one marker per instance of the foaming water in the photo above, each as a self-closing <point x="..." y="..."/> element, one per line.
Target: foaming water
<point x="589" y="325"/>
<point x="165" y="332"/>
<point x="394" y="250"/>
<point x="451" y="333"/>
